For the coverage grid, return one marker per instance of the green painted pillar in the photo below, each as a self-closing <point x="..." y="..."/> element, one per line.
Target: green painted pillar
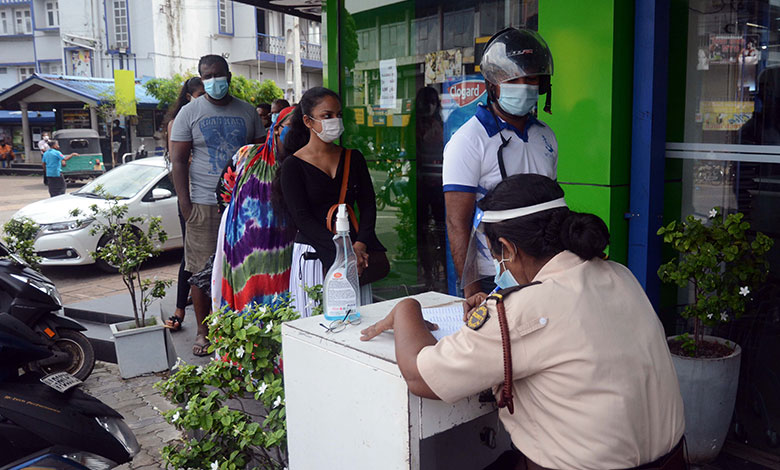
<point x="592" y="45"/>
<point x="330" y="39"/>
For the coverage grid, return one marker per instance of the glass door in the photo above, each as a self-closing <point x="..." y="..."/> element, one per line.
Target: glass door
<point x="409" y="80"/>
<point x="730" y="158"/>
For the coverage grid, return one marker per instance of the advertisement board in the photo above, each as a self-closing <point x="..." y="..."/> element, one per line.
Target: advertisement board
<point x="459" y="100"/>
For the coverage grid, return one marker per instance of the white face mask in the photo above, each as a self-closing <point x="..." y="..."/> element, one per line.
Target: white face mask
<point x="331" y="129"/>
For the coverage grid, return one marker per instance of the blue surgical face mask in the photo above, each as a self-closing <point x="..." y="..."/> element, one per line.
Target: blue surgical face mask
<point x="274" y="116"/>
<point x="504" y="280"/>
<point x="518" y="99"/>
<point x="216" y="87"/>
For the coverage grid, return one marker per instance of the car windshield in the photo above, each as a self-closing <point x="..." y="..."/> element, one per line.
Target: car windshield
<point x="123" y="181"/>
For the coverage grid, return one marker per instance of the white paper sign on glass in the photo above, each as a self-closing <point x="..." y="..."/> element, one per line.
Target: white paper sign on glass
<point x="388" y="74"/>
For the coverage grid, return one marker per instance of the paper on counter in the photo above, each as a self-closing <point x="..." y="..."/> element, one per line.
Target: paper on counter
<point x="448" y="317"/>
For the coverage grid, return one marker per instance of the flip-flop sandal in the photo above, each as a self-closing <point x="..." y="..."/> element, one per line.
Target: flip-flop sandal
<point x="175" y="322"/>
<point x="201" y="349"/>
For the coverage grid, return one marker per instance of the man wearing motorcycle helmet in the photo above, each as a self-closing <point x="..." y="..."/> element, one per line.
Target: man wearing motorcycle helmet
<point x="502" y="139"/>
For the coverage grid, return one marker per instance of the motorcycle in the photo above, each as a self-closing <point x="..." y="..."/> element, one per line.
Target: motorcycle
<point x="33" y="299"/>
<point x="45" y="422"/>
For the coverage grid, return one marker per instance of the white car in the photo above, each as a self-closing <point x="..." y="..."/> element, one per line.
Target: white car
<point x="65" y="240"/>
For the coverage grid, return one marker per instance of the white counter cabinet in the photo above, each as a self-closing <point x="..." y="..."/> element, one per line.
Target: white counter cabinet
<point x="348" y="406"/>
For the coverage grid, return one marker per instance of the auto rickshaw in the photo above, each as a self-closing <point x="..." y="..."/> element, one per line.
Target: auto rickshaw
<point x="86" y="143"/>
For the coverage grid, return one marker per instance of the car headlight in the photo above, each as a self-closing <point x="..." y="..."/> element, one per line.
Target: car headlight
<point x="45" y="287"/>
<point x="67" y="226"/>
<point x="121" y="432"/>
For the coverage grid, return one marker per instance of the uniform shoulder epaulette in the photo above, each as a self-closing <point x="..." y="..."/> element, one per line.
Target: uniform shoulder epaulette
<point x="480" y="315"/>
<point x="502" y="293"/>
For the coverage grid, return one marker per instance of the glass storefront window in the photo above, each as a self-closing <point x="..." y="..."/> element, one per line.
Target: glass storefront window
<point x="730" y="157"/>
<point x="399" y="63"/>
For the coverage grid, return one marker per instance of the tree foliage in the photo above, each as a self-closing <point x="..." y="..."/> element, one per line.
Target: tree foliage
<point x="721" y="261"/>
<point x="166" y="90"/>
<point x="254" y="91"/>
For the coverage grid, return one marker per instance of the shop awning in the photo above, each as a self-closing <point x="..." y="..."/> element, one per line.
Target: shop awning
<point x="36" y="117"/>
<point x="309" y="9"/>
<point x="43" y="91"/>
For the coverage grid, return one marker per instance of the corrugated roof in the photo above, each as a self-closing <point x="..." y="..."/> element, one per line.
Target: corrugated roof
<point x="94" y="87"/>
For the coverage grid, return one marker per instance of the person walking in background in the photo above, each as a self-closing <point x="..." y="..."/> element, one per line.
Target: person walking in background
<point x="264" y="111"/>
<point x="53" y="161"/>
<point x="277" y="106"/>
<point x="254" y="247"/>
<point x="192" y="88"/>
<point x="43" y="146"/>
<point x="310" y="181"/>
<point x="6" y="153"/>
<point x="211" y="129"/>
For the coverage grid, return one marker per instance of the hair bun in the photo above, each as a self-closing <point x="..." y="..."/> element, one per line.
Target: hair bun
<point x="585" y="235"/>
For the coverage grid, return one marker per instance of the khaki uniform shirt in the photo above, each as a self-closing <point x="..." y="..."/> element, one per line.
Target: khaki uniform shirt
<point x="594" y="385"/>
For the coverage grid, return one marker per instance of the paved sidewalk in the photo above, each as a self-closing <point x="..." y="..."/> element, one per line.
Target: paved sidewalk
<point x="138" y="402"/>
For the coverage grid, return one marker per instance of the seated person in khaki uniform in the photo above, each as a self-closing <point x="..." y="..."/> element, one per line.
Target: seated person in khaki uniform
<point x="589" y="381"/>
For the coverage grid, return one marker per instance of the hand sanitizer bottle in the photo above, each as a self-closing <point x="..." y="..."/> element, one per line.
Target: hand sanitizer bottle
<point x="341" y="291"/>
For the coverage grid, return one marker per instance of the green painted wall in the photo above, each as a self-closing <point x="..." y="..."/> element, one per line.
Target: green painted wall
<point x="592" y="45"/>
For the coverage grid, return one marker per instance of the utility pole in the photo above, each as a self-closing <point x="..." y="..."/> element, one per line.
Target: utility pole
<point x="292" y="69"/>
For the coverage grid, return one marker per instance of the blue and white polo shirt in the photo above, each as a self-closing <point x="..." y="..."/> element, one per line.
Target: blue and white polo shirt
<point x="471" y="155"/>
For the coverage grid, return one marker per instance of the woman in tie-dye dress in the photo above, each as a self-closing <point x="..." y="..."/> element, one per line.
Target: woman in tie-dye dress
<point x="254" y="248"/>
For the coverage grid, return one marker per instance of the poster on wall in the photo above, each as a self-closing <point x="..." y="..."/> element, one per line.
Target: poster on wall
<point x="725" y="48"/>
<point x="724" y="115"/>
<point x="459" y="101"/>
<point x="443" y="65"/>
<point x="388" y="74"/>
<point x="81" y="63"/>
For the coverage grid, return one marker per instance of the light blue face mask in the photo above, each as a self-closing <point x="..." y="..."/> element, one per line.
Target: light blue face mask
<point x="518" y="99"/>
<point x="216" y="87"/>
<point x="274" y="117"/>
<point x="503" y="280"/>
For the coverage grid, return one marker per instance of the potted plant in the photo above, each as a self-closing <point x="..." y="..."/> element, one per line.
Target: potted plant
<point x="722" y="264"/>
<point x="141" y="344"/>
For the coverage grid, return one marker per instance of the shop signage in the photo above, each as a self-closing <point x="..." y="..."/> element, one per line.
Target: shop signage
<point x="459" y="101"/>
<point x="466" y="92"/>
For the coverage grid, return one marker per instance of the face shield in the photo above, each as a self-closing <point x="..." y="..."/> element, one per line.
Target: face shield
<point x="479" y="264"/>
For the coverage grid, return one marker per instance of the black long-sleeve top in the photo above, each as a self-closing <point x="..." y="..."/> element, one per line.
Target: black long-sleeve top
<point x="310" y="192"/>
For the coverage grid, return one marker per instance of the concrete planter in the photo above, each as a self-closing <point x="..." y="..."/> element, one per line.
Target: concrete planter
<point x="141" y="350"/>
<point x="709" y="391"/>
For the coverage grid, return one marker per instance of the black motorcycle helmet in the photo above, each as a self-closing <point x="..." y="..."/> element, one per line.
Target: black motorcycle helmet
<point x="513" y="53"/>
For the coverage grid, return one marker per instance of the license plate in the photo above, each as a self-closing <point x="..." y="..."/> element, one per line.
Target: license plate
<point x="61" y="381"/>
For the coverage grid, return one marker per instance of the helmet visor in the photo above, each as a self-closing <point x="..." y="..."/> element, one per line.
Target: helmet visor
<point x="516" y="53"/>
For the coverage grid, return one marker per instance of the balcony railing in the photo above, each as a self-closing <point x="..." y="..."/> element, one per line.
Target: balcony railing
<point x="277" y="45"/>
<point x="270" y="44"/>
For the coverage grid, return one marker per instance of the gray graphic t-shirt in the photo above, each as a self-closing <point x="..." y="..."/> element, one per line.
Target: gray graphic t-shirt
<point x="216" y="132"/>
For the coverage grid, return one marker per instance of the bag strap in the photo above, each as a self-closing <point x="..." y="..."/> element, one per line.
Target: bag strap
<point x="342" y="197"/>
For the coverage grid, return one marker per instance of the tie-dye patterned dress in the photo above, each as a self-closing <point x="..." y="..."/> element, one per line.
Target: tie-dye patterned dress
<point x="256" y="249"/>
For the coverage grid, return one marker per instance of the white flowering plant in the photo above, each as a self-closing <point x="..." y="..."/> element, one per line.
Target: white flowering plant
<point x="235" y="403"/>
<point x="19" y="237"/>
<point x="722" y="260"/>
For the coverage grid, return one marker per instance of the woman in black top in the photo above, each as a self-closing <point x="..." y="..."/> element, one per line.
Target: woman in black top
<point x="310" y="180"/>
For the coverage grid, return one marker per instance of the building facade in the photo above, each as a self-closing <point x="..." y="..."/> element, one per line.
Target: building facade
<point x="155" y="38"/>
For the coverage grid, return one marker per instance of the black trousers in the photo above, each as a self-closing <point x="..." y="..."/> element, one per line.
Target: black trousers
<point x="56" y="185"/>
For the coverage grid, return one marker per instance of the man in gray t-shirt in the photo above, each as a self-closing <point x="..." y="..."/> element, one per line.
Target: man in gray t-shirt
<point x="211" y="129"/>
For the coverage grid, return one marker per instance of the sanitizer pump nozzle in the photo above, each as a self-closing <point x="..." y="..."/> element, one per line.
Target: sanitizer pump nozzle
<point x="342" y="219"/>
